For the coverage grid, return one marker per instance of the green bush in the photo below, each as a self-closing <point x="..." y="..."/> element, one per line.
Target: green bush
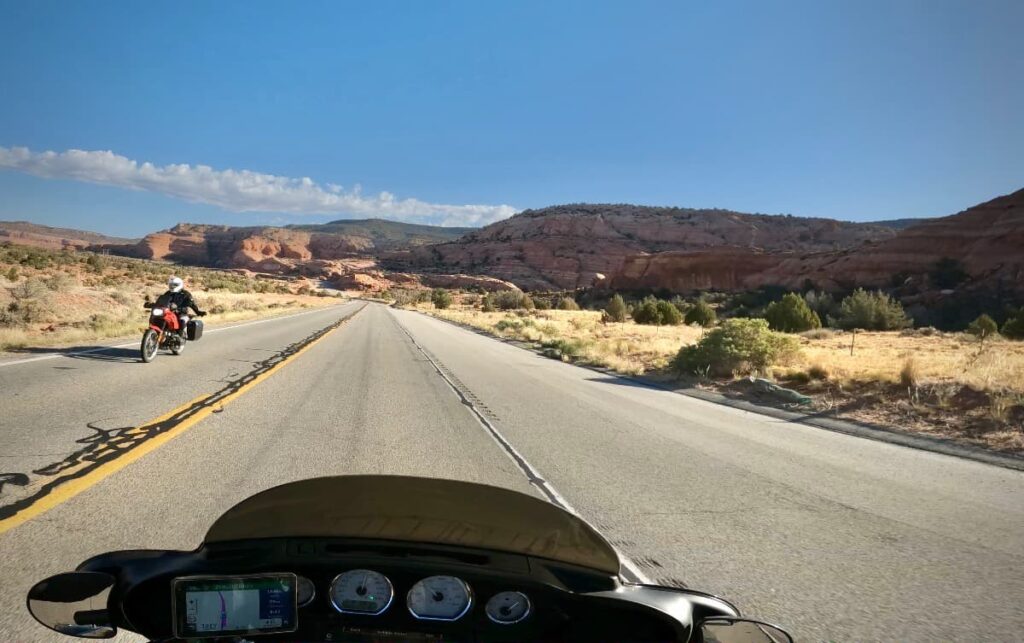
<point x="791" y="314"/>
<point x="526" y="302"/>
<point x="563" y="348"/>
<point x="870" y="311"/>
<point x="488" y="305"/>
<point x="983" y="327"/>
<point x="738" y="346"/>
<point x="508" y="299"/>
<point x="646" y="312"/>
<point x="12" y="274"/>
<point x="701" y="314"/>
<point x="441" y="298"/>
<point x="617" y="309"/>
<point x="1013" y="328"/>
<point x="568" y="303"/>
<point x="668" y="313"/>
<point x="822" y="303"/>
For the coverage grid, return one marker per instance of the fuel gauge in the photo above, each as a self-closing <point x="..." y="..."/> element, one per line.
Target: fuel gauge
<point x="507" y="608"/>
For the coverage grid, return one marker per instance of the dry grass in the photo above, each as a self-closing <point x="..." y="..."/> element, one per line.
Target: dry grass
<point x="937" y="359"/>
<point x="627" y="348"/>
<point x="940" y="384"/>
<point x="83" y="303"/>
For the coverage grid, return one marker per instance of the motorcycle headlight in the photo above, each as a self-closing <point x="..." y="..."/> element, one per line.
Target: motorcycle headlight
<point x="158" y="312"/>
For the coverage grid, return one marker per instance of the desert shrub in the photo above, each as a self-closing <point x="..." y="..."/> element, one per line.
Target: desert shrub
<point x="32" y="304"/>
<point x="568" y="303"/>
<point x="983" y="327"/>
<point x="738" y="346"/>
<point x="507" y="299"/>
<point x="508" y="324"/>
<point x="526" y="302"/>
<point x="441" y="298"/>
<point x="96" y="263"/>
<point x="865" y="310"/>
<point x="12" y="273"/>
<point x="617" y="309"/>
<point x="646" y="312"/>
<point x="791" y="314"/>
<point x="680" y="304"/>
<point x="822" y="303"/>
<point x="1013" y="328"/>
<point x="488" y="305"/>
<point x="61" y="282"/>
<point x="542" y="303"/>
<point x="818" y="372"/>
<point x="668" y="314"/>
<point x="701" y="314"/>
<point x="563" y="348"/>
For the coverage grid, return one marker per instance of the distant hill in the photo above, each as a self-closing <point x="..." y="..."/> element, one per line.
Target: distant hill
<point x="567" y="246"/>
<point x="33" y="234"/>
<point x="900" y="224"/>
<point x="386" y="233"/>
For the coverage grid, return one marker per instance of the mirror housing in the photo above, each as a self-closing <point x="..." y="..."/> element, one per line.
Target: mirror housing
<point x="729" y="629"/>
<point x="74" y="604"/>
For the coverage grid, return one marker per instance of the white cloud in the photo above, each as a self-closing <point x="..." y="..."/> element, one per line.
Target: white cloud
<point x="241" y="190"/>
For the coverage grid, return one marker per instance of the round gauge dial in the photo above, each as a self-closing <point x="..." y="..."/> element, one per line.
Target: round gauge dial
<point x="361" y="591"/>
<point x="440" y="598"/>
<point x="305" y="591"/>
<point x="507" y="608"/>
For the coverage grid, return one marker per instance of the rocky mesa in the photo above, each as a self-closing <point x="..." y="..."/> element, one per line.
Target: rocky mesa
<point x="986" y="241"/>
<point x="569" y="246"/>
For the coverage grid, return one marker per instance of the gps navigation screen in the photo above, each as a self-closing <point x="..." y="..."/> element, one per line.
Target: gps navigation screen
<point x="262" y="604"/>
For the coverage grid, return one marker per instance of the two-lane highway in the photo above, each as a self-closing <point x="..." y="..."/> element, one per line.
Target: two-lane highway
<point x="836" y="537"/>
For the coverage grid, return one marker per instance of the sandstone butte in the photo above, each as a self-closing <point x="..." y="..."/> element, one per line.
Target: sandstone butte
<point x="987" y="240"/>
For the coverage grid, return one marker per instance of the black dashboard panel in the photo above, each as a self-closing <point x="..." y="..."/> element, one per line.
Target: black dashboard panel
<point x="567" y="603"/>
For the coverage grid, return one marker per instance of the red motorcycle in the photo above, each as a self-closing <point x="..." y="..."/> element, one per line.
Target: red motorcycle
<point x="165" y="331"/>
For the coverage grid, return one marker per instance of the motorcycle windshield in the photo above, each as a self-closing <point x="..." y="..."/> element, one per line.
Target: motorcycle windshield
<point x="421" y="510"/>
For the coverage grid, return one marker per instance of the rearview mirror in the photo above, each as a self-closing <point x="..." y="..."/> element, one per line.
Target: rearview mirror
<point x="726" y="629"/>
<point x="74" y="604"/>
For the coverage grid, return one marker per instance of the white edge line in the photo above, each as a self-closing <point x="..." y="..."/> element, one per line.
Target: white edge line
<point x="100" y="349"/>
<point x="522" y="463"/>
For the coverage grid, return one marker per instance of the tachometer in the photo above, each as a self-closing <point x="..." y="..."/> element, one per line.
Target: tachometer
<point x="361" y="591"/>
<point x="440" y="598"/>
<point x="507" y="608"/>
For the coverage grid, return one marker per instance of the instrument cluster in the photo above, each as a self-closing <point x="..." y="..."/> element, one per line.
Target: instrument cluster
<point x="367" y="592"/>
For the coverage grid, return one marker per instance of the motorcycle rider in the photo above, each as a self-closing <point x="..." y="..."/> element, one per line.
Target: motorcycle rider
<point x="180" y="300"/>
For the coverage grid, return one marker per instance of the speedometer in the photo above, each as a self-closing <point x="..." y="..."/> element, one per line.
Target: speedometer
<point x="361" y="591"/>
<point x="440" y="598"/>
<point x="507" y="608"/>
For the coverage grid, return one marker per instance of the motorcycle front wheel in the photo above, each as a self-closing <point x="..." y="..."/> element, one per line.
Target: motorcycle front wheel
<point x="150" y="345"/>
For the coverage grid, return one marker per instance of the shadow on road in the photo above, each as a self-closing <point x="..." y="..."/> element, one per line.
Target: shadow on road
<point x="97" y="353"/>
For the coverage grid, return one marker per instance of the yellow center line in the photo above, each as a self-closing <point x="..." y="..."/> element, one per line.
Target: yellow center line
<point x="72" y="488"/>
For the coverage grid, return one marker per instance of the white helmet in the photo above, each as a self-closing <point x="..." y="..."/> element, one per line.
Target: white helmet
<point x="175" y="284"/>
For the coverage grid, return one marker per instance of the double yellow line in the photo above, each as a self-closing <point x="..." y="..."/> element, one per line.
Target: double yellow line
<point x="72" y="488"/>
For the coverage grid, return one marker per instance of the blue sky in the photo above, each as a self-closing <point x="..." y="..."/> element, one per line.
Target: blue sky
<point x="857" y="110"/>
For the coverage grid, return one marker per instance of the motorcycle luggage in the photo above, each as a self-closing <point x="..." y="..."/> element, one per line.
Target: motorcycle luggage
<point x="194" y="329"/>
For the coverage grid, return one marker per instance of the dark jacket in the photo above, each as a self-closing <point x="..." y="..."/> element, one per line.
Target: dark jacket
<point x="181" y="300"/>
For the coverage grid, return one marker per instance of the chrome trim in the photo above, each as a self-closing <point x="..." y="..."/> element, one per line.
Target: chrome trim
<point x="465" y="586"/>
<point x="337" y="608"/>
<point x="529" y="608"/>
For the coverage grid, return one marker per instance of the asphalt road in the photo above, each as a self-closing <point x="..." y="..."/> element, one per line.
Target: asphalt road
<point x="835" y="537"/>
